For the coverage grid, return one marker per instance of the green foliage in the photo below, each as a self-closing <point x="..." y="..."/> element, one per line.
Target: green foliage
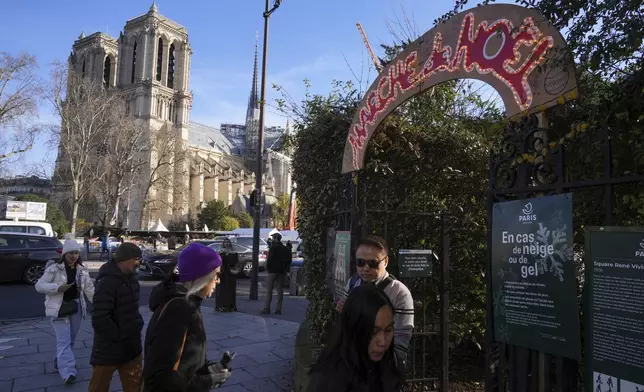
<point x="429" y="158"/>
<point x="228" y="223"/>
<point x="279" y="212"/>
<point x="244" y="219"/>
<point x="55" y="216"/>
<point x="176" y="225"/>
<point x="82" y="226"/>
<point x="214" y="214"/>
<point x="321" y="127"/>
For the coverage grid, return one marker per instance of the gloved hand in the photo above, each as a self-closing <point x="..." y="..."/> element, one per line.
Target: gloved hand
<point x="218" y="374"/>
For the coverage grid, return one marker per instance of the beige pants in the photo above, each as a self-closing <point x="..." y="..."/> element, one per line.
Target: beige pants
<point x="275" y="280"/>
<point x="129" y="373"/>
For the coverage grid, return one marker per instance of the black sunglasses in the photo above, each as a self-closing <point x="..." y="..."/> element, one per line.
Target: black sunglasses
<point x="371" y="263"/>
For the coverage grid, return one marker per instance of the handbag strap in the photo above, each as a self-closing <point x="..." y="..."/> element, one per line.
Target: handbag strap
<point x="185" y="334"/>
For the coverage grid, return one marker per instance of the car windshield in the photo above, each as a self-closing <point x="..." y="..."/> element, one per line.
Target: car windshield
<point x="236" y="248"/>
<point x="248" y="241"/>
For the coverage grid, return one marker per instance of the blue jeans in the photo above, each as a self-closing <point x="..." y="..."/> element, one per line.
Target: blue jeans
<point x="66" y="329"/>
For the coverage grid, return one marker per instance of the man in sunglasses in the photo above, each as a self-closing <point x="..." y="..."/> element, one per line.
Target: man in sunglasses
<point x="372" y="258"/>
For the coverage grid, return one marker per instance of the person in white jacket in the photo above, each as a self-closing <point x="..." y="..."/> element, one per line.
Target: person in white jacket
<point x="66" y="283"/>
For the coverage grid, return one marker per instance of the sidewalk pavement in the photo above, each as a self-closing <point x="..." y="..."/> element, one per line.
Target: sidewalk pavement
<point x="264" y="347"/>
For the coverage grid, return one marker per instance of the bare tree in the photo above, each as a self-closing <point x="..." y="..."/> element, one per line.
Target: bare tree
<point x="20" y="91"/>
<point x="124" y="154"/>
<point x="88" y="112"/>
<point x="168" y="160"/>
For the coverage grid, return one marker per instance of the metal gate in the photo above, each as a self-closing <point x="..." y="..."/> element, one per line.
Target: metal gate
<point x="525" y="164"/>
<point x="363" y="212"/>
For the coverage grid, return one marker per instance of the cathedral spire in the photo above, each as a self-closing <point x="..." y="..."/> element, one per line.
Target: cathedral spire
<point x="253" y="100"/>
<point x="252" y="113"/>
<point x="154" y="7"/>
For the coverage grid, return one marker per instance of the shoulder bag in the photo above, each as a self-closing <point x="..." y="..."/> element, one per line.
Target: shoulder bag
<point x="68" y="308"/>
<point x="183" y="342"/>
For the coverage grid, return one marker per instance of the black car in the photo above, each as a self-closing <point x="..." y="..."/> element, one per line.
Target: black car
<point x="158" y="264"/>
<point x="245" y="266"/>
<point x="24" y="256"/>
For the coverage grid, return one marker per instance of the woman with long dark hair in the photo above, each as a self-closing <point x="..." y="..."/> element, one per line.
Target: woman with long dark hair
<point x="360" y="357"/>
<point x="64" y="284"/>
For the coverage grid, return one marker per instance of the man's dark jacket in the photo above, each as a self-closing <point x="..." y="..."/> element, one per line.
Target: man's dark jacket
<point x="116" y="319"/>
<point x="279" y="258"/>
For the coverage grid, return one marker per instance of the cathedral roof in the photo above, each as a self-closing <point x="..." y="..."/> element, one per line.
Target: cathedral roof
<point x="206" y="137"/>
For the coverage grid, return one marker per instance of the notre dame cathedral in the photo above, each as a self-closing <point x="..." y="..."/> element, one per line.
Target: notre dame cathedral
<point x="150" y="61"/>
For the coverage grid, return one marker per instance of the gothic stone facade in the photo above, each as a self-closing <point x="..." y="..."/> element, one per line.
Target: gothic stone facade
<point x="150" y="61"/>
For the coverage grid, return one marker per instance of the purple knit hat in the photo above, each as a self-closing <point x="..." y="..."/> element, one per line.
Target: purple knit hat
<point x="197" y="260"/>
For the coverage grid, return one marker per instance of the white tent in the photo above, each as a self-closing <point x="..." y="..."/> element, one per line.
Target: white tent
<point x="159" y="226"/>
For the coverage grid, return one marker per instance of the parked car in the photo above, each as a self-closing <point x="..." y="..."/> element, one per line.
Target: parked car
<point x="160" y="263"/>
<point x="247" y="241"/>
<point x="245" y="266"/>
<point x="296" y="247"/>
<point x="24" y="256"/>
<point x="40" y="228"/>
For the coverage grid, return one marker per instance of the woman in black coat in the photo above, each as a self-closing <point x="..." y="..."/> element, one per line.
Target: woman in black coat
<point x="360" y="358"/>
<point x="175" y="341"/>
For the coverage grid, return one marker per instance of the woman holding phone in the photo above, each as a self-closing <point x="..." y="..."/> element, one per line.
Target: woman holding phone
<point x="64" y="283"/>
<point x="175" y="341"/>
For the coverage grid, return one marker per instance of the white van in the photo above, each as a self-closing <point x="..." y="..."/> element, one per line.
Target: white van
<point x="40" y="228"/>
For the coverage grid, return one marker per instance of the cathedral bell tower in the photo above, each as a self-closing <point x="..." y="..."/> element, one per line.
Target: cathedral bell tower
<point x="154" y="71"/>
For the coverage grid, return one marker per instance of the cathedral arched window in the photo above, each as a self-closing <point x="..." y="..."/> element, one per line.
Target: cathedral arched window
<point x="133" y="62"/>
<point x="171" y="67"/>
<point x="159" y="60"/>
<point x="107" y="71"/>
<point x="83" y="69"/>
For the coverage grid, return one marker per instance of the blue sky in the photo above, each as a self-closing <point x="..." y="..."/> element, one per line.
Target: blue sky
<point x="308" y="39"/>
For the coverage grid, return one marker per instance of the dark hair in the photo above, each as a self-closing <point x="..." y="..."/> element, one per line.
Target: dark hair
<point x="78" y="262"/>
<point x="353" y="333"/>
<point x="375" y="241"/>
<point x="277" y="237"/>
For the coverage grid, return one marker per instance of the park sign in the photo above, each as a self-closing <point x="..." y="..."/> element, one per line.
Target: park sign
<point x="614" y="309"/>
<point x="341" y="267"/>
<point x="23" y="210"/>
<point x="415" y="263"/>
<point x="533" y="275"/>
<point x="513" y="49"/>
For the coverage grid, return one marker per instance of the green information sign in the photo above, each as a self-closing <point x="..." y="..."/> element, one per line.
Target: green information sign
<point x="342" y="256"/>
<point x="533" y="275"/>
<point x="614" y="309"/>
<point x="415" y="263"/>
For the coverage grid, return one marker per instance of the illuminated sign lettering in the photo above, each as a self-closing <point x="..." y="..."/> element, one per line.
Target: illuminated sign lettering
<point x="497" y="48"/>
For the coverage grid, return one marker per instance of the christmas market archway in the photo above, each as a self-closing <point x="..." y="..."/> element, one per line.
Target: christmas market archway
<point x="513" y="49"/>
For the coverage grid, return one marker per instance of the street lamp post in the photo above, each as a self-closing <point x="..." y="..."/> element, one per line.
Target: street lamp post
<point x="260" y="152"/>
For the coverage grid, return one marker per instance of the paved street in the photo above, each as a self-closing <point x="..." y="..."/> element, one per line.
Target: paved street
<point x="20" y="301"/>
<point x="264" y="344"/>
<point x="264" y="348"/>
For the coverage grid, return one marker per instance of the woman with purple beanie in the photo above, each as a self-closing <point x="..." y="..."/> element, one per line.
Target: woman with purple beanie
<point x="175" y="341"/>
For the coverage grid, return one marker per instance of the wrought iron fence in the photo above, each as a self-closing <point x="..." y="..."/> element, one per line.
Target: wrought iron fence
<point x="530" y="161"/>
